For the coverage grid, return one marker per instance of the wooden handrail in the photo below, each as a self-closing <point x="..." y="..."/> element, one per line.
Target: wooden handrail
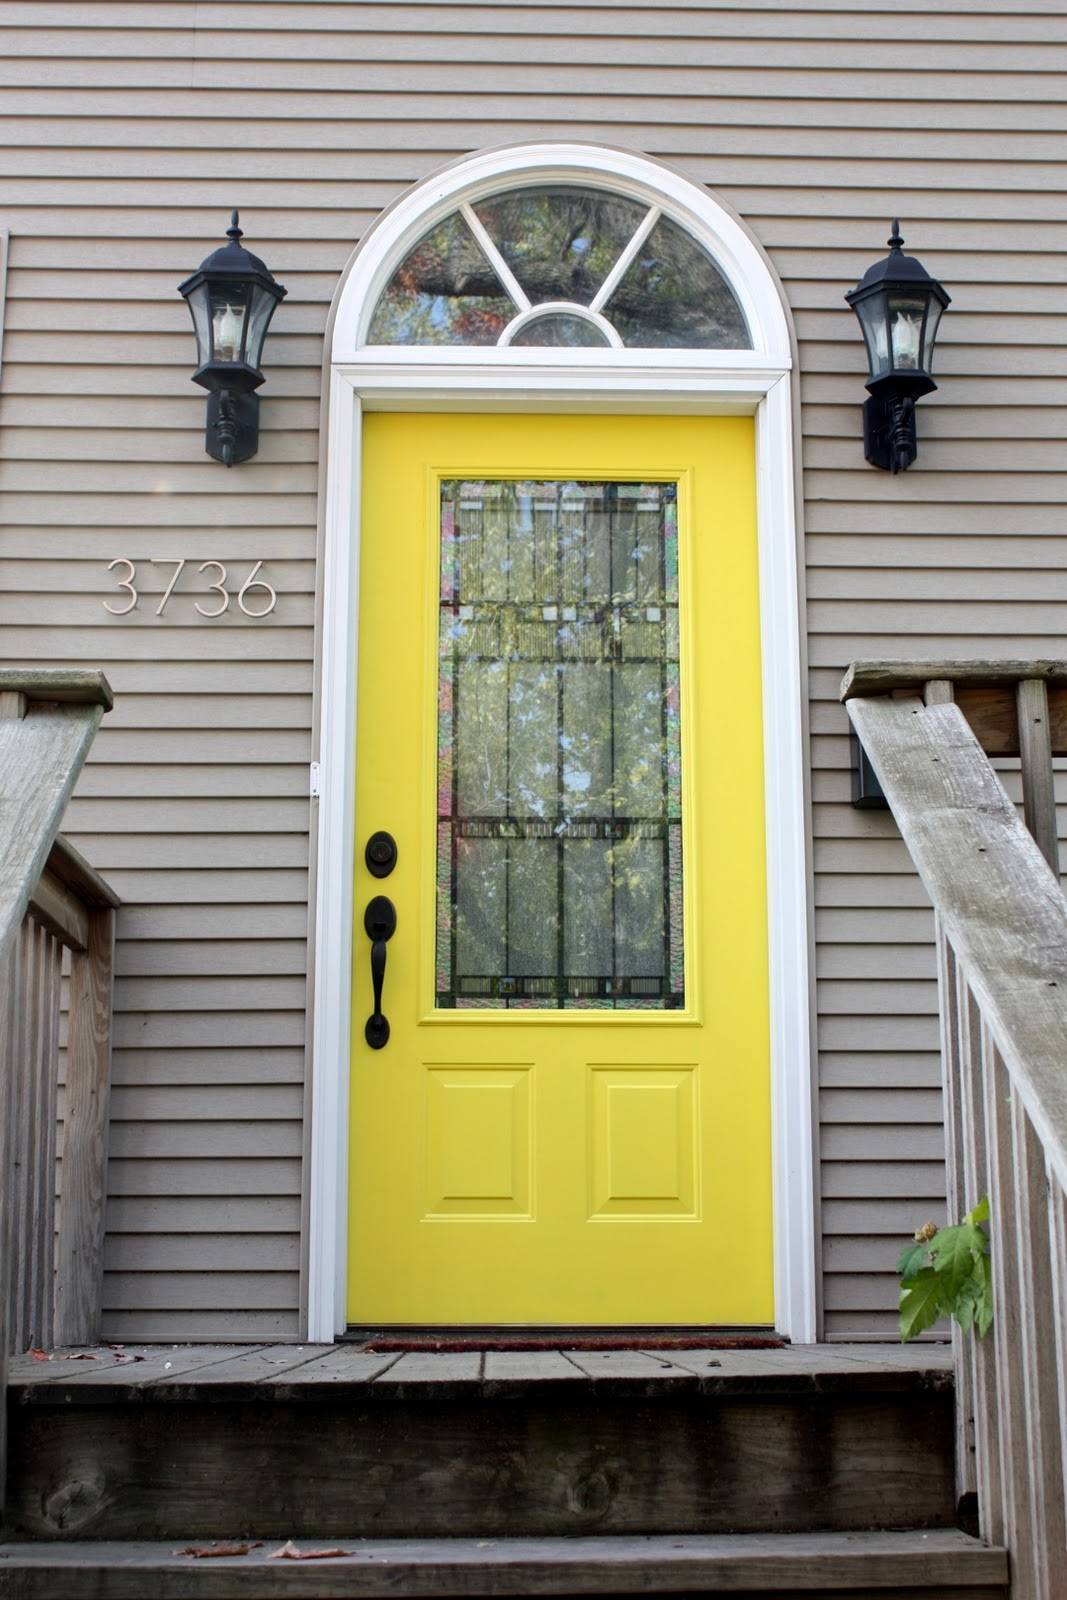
<point x="1002" y="968"/>
<point x="53" y="906"/>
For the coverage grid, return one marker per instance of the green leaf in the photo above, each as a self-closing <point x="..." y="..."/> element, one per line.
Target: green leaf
<point x="965" y="1308"/>
<point x="984" y="1276"/>
<point x="954" y="1252"/>
<point x="921" y="1303"/>
<point x="980" y="1212"/>
<point x="912" y="1259"/>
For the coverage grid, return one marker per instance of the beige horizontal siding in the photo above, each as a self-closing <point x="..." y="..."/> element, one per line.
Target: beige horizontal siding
<point x="126" y="134"/>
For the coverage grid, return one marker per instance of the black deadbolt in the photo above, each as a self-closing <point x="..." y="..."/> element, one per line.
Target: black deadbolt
<point x="380" y="854"/>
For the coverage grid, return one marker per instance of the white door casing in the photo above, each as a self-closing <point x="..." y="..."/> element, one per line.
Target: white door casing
<point x="538" y="379"/>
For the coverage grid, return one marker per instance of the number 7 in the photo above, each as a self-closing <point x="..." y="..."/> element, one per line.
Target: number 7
<point x="178" y="565"/>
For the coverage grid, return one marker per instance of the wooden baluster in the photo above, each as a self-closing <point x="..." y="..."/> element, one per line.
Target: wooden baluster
<point x="976" y="1181"/>
<point x="46" y="1169"/>
<point x="1035" y="751"/>
<point x="22" y="1119"/>
<point x="948" y="983"/>
<point x="39" y="1070"/>
<point x="1008" y="1332"/>
<point x="80" y="1253"/>
<point x="9" y="1012"/>
<point x="939" y="692"/>
<point x="1042" y="1457"/>
<point x="1057" y="1228"/>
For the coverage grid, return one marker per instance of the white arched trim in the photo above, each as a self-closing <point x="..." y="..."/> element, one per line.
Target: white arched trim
<point x="454" y="378"/>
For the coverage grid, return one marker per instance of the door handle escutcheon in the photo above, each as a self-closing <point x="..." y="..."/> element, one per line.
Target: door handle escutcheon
<point x="379" y="920"/>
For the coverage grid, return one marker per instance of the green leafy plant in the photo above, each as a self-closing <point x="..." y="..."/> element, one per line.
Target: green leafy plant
<point x="946" y="1273"/>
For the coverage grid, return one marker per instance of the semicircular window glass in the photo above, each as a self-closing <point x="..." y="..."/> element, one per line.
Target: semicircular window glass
<point x="472" y="274"/>
<point x="559" y="328"/>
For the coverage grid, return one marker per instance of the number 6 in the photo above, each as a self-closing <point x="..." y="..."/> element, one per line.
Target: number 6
<point x="252" y="582"/>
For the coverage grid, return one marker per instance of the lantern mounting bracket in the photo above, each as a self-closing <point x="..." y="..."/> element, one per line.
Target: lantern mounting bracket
<point x="232" y="426"/>
<point x="889" y="438"/>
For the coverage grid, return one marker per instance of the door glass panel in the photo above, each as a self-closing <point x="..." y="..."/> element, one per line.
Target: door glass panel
<point x="559" y="827"/>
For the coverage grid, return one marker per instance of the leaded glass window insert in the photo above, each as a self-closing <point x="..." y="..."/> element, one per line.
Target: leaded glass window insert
<point x="473" y="276"/>
<point x="559" y="827"/>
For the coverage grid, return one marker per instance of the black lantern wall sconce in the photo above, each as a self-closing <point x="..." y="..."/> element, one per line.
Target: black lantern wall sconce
<point x="899" y="306"/>
<point x="232" y="297"/>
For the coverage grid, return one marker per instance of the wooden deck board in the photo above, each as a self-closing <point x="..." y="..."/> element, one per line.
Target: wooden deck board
<point x="135" y="1367"/>
<point x="934" y="1562"/>
<point x="262" y="1365"/>
<point x="530" y="1366"/>
<point x="169" y="1367"/>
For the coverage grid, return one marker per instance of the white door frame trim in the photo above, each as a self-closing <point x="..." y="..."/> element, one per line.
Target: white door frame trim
<point x="594" y="380"/>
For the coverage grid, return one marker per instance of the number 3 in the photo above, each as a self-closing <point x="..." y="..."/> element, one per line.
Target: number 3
<point x="123" y="583"/>
<point x="219" y="588"/>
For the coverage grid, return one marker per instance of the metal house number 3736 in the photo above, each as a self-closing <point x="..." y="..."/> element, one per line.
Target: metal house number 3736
<point x="254" y="589"/>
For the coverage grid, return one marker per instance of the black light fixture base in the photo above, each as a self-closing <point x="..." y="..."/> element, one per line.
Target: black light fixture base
<point x="867" y="792"/>
<point x="232" y="426"/>
<point x="889" y="432"/>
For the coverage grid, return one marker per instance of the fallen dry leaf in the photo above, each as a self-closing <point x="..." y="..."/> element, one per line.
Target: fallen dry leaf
<point x="290" y="1552"/>
<point x="203" y="1550"/>
<point x="39" y="1355"/>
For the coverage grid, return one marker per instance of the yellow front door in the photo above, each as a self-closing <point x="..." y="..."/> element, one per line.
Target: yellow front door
<point x="559" y="726"/>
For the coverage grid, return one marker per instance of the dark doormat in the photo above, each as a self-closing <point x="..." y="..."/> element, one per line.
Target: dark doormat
<point x="443" y="1342"/>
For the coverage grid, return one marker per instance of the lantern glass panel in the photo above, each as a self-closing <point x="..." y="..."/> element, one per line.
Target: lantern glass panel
<point x="198" y="304"/>
<point x="263" y="304"/>
<point x="933" y="318"/>
<point x="229" y="305"/>
<point x="906" y="311"/>
<point x="872" y="315"/>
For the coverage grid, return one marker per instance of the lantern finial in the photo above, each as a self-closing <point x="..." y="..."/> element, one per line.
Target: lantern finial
<point x="235" y="232"/>
<point x="895" y="242"/>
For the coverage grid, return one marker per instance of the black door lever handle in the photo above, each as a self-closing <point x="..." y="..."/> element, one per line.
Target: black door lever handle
<point x="379" y="920"/>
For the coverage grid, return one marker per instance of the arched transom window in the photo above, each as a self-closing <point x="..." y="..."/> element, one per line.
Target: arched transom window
<point x="557" y="264"/>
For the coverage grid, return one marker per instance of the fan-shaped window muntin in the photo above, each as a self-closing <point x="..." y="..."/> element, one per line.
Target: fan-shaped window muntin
<point x="559" y="265"/>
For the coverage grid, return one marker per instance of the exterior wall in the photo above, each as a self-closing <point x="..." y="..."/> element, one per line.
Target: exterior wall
<point x="127" y="131"/>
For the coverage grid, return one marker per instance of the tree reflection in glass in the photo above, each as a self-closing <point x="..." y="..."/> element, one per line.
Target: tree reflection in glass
<point x="674" y="296"/>
<point x="559" y="813"/>
<point x="471" y="275"/>
<point x="443" y="292"/>
<point x="561" y="242"/>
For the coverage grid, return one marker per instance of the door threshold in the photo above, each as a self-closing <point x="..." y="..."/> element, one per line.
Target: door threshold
<point x="399" y="1339"/>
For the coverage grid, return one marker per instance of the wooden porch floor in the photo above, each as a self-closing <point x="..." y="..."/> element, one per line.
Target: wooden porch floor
<point x="305" y="1368"/>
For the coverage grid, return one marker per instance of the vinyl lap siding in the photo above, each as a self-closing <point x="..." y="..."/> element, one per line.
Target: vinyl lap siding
<point x="127" y="131"/>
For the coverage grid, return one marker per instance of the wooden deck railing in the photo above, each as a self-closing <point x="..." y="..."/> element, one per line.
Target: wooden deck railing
<point x="928" y="729"/>
<point x="51" y="902"/>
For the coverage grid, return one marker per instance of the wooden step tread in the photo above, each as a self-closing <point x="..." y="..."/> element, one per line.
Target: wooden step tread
<point x="939" y="1562"/>
<point x="173" y="1374"/>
